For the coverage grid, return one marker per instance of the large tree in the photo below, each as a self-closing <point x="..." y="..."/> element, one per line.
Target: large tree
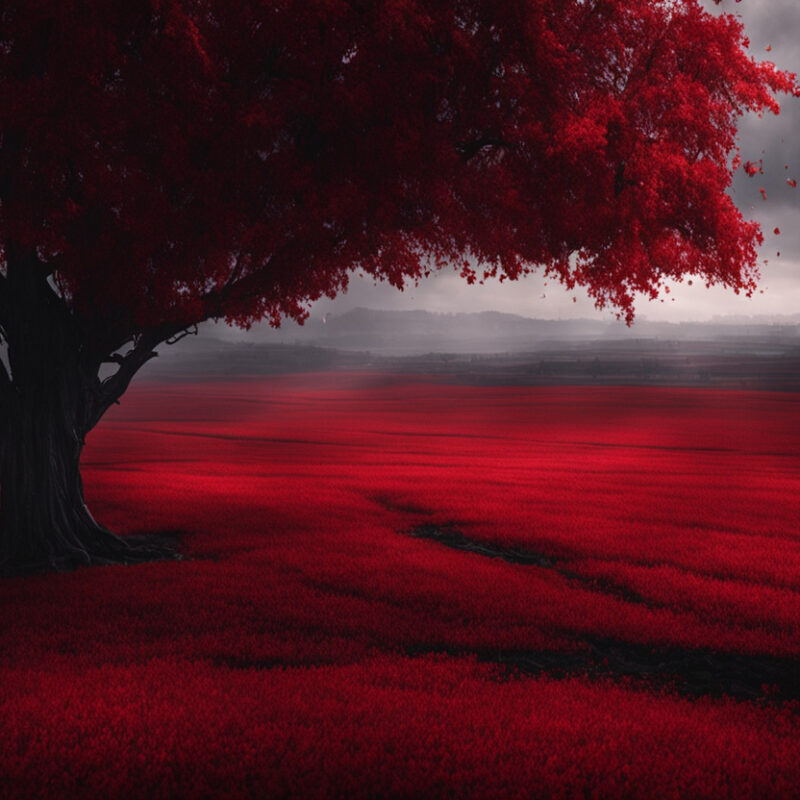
<point x="165" y="162"/>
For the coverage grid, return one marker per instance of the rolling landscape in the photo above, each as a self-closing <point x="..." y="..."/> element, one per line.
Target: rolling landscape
<point x="399" y="399"/>
<point x="505" y="348"/>
<point x="404" y="575"/>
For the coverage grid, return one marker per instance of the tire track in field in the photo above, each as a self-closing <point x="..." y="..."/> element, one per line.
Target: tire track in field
<point x="691" y="671"/>
<point x="450" y="536"/>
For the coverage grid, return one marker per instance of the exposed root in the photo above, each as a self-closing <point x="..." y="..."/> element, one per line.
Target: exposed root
<point x="448" y="535"/>
<point x="101" y="548"/>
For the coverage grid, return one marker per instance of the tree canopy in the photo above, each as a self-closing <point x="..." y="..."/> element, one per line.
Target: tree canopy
<point x="169" y="161"/>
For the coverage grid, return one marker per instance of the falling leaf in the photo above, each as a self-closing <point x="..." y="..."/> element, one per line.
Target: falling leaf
<point x="753" y="168"/>
<point x="777" y="231"/>
<point x="768" y="48"/>
<point x="791" y="182"/>
<point x="763" y="193"/>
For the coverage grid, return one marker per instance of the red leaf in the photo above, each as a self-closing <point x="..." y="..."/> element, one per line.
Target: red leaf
<point x="753" y="167"/>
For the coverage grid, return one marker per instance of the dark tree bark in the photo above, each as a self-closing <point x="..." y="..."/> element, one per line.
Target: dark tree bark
<point x="43" y="517"/>
<point x="50" y="397"/>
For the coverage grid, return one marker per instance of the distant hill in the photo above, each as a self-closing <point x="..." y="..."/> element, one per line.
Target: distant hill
<point x="496" y="348"/>
<point x="418" y="332"/>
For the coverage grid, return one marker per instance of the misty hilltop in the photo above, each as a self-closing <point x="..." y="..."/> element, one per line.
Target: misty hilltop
<point x="400" y="332"/>
<point x="500" y="348"/>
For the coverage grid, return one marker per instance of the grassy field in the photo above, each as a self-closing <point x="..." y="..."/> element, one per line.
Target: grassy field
<point x="401" y="586"/>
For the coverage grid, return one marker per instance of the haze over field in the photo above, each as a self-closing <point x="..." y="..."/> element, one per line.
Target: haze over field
<point x="414" y="332"/>
<point x="494" y="348"/>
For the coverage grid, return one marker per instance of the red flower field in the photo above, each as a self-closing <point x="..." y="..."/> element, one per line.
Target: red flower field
<point x="399" y="586"/>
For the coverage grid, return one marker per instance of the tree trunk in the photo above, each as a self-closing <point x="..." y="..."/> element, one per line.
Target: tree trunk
<point x="43" y="517"/>
<point x="50" y="397"/>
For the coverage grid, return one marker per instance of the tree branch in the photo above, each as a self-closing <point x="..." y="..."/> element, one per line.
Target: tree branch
<point x="189" y="331"/>
<point x="468" y="150"/>
<point x="114" y="358"/>
<point x="235" y="273"/>
<point x="108" y="391"/>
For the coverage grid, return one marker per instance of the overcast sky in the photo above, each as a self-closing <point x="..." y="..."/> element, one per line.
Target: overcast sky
<point x="774" y="23"/>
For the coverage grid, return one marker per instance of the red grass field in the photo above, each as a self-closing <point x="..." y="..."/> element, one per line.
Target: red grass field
<point x="308" y="645"/>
